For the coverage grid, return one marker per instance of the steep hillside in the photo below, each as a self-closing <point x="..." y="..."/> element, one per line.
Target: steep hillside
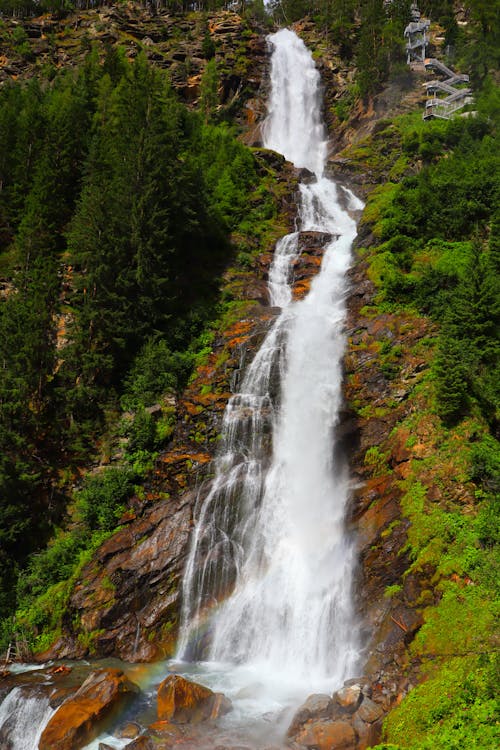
<point x="109" y="422"/>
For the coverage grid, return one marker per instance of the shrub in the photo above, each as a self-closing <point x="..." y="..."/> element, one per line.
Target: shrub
<point x="101" y="501"/>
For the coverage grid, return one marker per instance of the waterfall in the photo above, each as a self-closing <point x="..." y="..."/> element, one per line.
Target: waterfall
<point x="269" y="575"/>
<point x="23" y="718"/>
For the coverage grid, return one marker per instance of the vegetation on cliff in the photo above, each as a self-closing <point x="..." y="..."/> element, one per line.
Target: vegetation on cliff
<point x="433" y="251"/>
<point x="118" y="205"/>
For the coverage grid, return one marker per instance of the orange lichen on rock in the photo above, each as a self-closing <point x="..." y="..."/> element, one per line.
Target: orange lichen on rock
<point x="301" y="288"/>
<point x="173" y="458"/>
<point x="328" y="735"/>
<point x="80" y="718"/>
<point x="183" y="701"/>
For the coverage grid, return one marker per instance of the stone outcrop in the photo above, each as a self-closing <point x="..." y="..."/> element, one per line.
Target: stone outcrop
<point x="130" y="588"/>
<point x="348" y="720"/>
<point x="82" y="717"/>
<point x="169" y="41"/>
<point x="312" y="246"/>
<point x="184" y="702"/>
<point x="126" y="600"/>
<point x="383" y="366"/>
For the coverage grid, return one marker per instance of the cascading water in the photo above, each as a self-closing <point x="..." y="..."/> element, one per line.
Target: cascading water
<point x="270" y="529"/>
<point x="22" y="719"/>
<point x="267" y="590"/>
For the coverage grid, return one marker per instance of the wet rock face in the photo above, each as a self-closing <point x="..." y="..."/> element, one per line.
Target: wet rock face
<point x="312" y="246"/>
<point x="81" y="717"/>
<point x="131" y="587"/>
<point x="348" y="720"/>
<point x="126" y="602"/>
<point x="384" y="363"/>
<point x="184" y="702"/>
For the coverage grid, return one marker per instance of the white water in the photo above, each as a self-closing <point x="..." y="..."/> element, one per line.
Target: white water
<point x="270" y="527"/>
<point x="23" y="718"/>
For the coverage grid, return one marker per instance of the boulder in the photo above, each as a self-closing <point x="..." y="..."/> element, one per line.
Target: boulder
<point x="129" y="731"/>
<point x="327" y="735"/>
<point x="186" y="702"/>
<point x="368" y="734"/>
<point x="316" y="706"/>
<point x="369" y="711"/>
<point x="81" y="717"/>
<point x="164" y="731"/>
<point x="311" y="240"/>
<point x="141" y="743"/>
<point x="349" y="697"/>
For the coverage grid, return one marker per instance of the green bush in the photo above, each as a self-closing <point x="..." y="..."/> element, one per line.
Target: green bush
<point x="156" y="371"/>
<point x="101" y="501"/>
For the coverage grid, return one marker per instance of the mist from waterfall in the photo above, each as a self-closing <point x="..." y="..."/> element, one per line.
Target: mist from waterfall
<point x="268" y="584"/>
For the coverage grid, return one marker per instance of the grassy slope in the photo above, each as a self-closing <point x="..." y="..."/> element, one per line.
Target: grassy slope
<point x="451" y="472"/>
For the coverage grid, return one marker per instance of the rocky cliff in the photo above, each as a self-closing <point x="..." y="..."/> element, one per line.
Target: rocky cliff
<point x="126" y="600"/>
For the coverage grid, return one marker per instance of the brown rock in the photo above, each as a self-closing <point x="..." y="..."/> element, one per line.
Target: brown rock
<point x="59" y="695"/>
<point x="141" y="743"/>
<point x="312" y="240"/>
<point x="369" y="711"/>
<point x="164" y="730"/>
<point x="184" y="702"/>
<point x="378" y="514"/>
<point x="327" y="735"/>
<point x="349" y="697"/>
<point x="368" y="734"/>
<point x="130" y="731"/>
<point x="316" y="706"/>
<point x="80" y="719"/>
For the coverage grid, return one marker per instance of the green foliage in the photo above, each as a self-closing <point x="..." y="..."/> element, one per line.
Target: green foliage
<point x="101" y="500"/>
<point x="455" y="546"/>
<point x="55" y="564"/>
<point x="435" y="252"/>
<point x="156" y="370"/>
<point x="485" y="459"/>
<point x="115" y="213"/>
<point x="141" y="432"/>
<point x="208" y="46"/>
<point x="455" y="708"/>
<point x="209" y="90"/>
<point x="376" y="459"/>
<point x="45" y="587"/>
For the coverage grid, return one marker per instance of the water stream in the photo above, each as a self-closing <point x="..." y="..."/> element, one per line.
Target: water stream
<point x="23" y="717"/>
<point x="267" y="598"/>
<point x="270" y="527"/>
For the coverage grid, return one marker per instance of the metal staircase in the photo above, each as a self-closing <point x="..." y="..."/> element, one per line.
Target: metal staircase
<point x="456" y="98"/>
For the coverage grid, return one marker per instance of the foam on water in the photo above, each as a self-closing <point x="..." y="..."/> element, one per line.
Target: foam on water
<point x="270" y="527"/>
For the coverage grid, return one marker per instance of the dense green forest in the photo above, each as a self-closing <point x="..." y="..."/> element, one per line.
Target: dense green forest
<point x="116" y="208"/>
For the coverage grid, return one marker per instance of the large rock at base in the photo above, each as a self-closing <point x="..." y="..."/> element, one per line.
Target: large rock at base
<point x="184" y="702"/>
<point x="80" y="718"/>
<point x="141" y="743"/>
<point x="316" y="706"/>
<point x="327" y="735"/>
<point x="348" y="697"/>
<point x="369" y="711"/>
<point x="368" y="734"/>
